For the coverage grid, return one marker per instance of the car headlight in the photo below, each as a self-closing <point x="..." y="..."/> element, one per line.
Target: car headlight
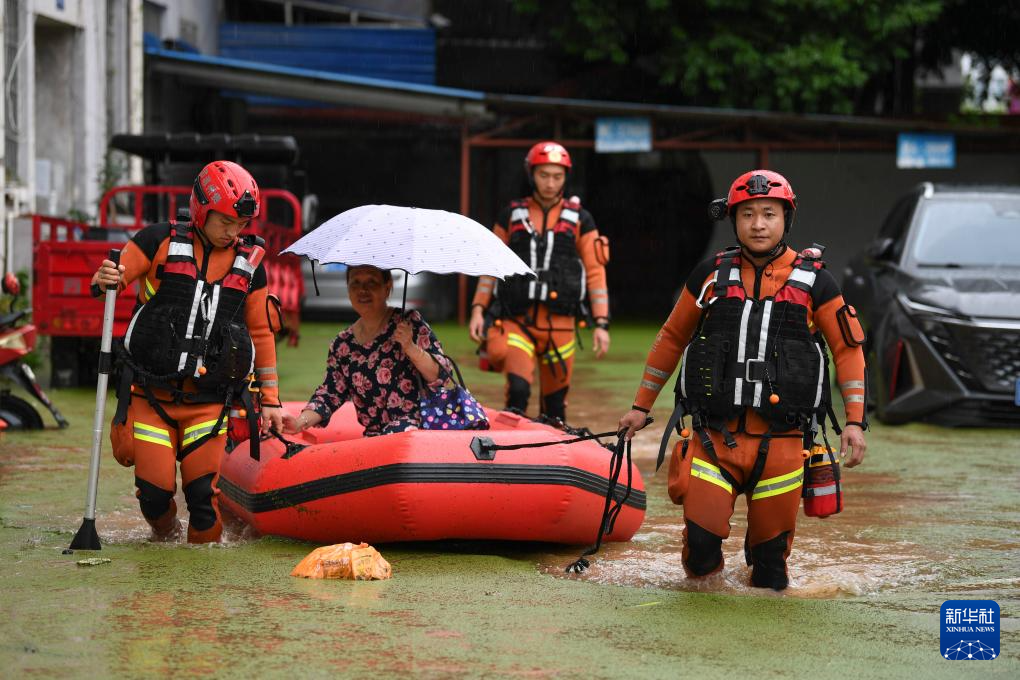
<point x="932" y="321"/>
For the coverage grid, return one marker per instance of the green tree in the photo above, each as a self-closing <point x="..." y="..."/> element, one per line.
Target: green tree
<point x="827" y="56"/>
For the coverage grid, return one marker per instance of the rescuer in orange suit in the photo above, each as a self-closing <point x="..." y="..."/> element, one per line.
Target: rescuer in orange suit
<point x="198" y="346"/>
<point x="753" y="379"/>
<point x="533" y="321"/>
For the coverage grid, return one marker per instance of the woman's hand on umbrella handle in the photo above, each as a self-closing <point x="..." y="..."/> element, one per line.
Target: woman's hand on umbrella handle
<point x="403" y="336"/>
<point x="476" y="326"/>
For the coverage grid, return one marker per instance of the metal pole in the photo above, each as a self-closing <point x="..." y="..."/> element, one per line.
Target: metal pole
<point x="465" y="206"/>
<point x="87" y="538"/>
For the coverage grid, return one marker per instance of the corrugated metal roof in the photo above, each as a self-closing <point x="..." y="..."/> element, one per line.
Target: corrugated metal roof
<point x="400" y="54"/>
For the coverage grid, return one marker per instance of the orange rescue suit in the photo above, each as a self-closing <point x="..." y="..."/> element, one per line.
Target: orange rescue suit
<point x="151" y="444"/>
<point x="695" y="480"/>
<point x="520" y="341"/>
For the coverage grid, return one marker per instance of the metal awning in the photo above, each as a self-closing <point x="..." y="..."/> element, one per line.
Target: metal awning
<point x="320" y="86"/>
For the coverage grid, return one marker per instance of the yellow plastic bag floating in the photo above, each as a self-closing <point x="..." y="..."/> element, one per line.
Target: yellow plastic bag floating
<point x="359" y="562"/>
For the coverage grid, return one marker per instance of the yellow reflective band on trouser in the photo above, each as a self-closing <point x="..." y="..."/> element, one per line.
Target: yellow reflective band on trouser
<point x="773" y="486"/>
<point x="521" y="343"/>
<point x="148" y="292"/>
<point x="196" y="432"/>
<point x="710" y="473"/>
<point x="565" y="352"/>
<point x="148" y="433"/>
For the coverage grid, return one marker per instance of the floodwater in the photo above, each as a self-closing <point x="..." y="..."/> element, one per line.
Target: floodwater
<point x="932" y="515"/>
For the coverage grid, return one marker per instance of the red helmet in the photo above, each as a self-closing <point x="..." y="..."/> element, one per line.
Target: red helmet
<point x="546" y="152"/>
<point x="225" y="187"/>
<point x="760" y="184"/>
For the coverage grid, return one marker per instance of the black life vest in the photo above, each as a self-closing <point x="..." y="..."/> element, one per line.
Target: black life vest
<point x="745" y="350"/>
<point x="192" y="328"/>
<point x="561" y="282"/>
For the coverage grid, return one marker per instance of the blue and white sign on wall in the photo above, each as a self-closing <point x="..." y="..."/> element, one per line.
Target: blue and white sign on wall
<point x="620" y="135"/>
<point x="919" y="150"/>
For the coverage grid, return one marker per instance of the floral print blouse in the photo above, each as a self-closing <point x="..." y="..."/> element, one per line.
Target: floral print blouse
<point x="378" y="377"/>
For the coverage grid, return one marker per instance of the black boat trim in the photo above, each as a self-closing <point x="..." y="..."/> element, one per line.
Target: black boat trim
<point x="425" y="473"/>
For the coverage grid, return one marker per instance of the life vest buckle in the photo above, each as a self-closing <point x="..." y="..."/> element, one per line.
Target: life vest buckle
<point x="755" y="370"/>
<point x="253" y="384"/>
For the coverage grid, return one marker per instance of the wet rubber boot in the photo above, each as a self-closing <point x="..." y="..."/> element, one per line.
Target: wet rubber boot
<point x="210" y="535"/>
<point x="518" y="391"/>
<point x="768" y="563"/>
<point x="702" y="554"/>
<point x="204" y="525"/>
<point x="554" y="405"/>
<point x="167" y="527"/>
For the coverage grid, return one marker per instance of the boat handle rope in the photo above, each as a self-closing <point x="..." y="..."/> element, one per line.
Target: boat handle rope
<point x="609" y="511"/>
<point x="485" y="449"/>
<point x="293" y="448"/>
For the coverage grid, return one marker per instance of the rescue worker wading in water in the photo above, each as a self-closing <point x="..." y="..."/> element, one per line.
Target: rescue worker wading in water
<point x="198" y="347"/>
<point x="753" y="378"/>
<point x="533" y="321"/>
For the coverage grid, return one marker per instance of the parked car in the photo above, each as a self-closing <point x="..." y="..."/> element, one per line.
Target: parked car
<point x="938" y="293"/>
<point x="432" y="294"/>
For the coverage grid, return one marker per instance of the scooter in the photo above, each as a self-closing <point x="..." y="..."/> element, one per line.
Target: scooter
<point x="16" y="341"/>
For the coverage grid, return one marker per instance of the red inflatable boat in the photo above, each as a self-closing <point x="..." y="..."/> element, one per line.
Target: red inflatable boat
<point x="428" y="485"/>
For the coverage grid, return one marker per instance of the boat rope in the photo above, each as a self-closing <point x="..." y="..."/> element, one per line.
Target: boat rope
<point x="609" y="511"/>
<point x="485" y="448"/>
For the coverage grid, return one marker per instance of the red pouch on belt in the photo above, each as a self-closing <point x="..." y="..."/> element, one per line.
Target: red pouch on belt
<point x="823" y="493"/>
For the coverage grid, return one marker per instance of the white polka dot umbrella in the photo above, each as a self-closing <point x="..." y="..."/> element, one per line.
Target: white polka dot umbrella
<point x="413" y="239"/>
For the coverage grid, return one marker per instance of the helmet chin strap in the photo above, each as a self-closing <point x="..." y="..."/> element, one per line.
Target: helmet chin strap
<point x="769" y="254"/>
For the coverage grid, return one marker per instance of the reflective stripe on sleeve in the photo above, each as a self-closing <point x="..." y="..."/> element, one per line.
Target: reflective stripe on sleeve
<point x="651" y="370"/>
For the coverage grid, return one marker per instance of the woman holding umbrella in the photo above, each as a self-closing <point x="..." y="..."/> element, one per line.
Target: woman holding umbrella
<point x="378" y="363"/>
